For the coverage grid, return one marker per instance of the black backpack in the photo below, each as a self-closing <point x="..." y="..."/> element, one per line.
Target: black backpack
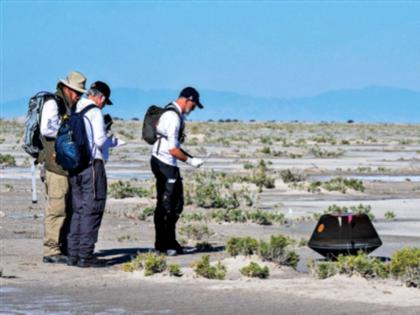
<point x="151" y="119"/>
<point x="31" y="137"/>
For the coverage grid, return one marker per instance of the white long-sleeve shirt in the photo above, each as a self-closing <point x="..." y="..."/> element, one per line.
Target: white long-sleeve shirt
<point x="50" y="120"/>
<point x="95" y="130"/>
<point x="168" y="125"/>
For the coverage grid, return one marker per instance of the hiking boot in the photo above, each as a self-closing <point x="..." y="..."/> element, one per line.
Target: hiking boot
<point x="177" y="247"/>
<point x="72" y="260"/>
<point x="91" y="261"/>
<point x="55" y="259"/>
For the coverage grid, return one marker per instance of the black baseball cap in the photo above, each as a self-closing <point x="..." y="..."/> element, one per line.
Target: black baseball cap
<point x="104" y="89"/>
<point x="191" y="94"/>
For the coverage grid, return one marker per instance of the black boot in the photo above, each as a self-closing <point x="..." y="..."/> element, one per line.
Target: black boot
<point x="91" y="261"/>
<point x="55" y="259"/>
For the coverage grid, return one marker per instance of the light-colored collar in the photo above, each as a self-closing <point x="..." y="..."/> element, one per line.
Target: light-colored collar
<point x="178" y="107"/>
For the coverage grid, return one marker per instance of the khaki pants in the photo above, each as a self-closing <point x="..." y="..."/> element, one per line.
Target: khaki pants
<point x="57" y="188"/>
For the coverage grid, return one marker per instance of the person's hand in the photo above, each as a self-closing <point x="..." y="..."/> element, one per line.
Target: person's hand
<point x="108" y="122"/>
<point x="194" y="162"/>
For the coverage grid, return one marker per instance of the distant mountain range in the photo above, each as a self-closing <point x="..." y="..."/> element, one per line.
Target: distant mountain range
<point x="370" y="104"/>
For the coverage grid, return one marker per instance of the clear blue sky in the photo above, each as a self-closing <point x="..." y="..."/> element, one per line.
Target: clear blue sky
<point x="273" y="49"/>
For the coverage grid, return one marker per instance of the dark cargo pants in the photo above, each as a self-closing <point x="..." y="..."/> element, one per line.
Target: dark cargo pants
<point x="170" y="202"/>
<point x="89" y="188"/>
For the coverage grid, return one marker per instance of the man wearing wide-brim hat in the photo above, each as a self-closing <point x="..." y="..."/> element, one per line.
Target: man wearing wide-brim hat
<point x="57" y="106"/>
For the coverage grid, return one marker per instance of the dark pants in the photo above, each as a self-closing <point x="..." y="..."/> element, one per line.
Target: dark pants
<point x="170" y="202"/>
<point x="89" y="188"/>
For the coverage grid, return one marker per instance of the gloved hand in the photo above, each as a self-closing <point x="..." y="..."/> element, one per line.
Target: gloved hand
<point x="194" y="162"/>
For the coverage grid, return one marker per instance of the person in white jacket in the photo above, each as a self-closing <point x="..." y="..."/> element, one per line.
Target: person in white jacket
<point x="89" y="186"/>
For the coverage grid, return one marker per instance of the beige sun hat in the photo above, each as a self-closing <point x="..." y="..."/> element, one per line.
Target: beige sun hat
<point x="76" y="81"/>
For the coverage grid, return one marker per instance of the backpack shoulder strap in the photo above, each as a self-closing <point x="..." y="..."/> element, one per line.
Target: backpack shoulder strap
<point x="171" y="107"/>
<point x="86" y="109"/>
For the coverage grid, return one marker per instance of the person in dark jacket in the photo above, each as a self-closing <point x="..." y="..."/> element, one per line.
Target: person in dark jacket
<point x="89" y="185"/>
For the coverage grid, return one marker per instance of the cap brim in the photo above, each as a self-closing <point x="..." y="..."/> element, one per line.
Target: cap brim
<point x="72" y="86"/>
<point x="108" y="102"/>
<point x="200" y="105"/>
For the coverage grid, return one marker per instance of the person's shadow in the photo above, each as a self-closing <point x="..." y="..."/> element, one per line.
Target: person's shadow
<point x="122" y="255"/>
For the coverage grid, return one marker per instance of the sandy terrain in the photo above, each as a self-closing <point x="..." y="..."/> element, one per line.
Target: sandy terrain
<point x="385" y="157"/>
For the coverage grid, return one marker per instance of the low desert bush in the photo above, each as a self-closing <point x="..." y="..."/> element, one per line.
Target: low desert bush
<point x="359" y="209"/>
<point x="150" y="263"/>
<point x="361" y="264"/>
<point x="196" y="232"/>
<point x="289" y="177"/>
<point x="254" y="270"/>
<point x="7" y="160"/>
<point x="337" y="184"/>
<point x="154" y="264"/>
<point x="229" y="215"/>
<point x="320" y="153"/>
<point x="134" y="264"/>
<point x="276" y="250"/>
<point x="146" y="213"/>
<point x="260" y="178"/>
<point x="203" y="269"/>
<point x="242" y="246"/>
<point x="389" y="215"/>
<point x="175" y="270"/>
<point x="123" y="189"/>
<point x="322" y="269"/>
<point x="405" y="265"/>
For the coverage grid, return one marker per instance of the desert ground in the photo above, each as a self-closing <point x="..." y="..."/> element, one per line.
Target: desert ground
<point x="246" y="168"/>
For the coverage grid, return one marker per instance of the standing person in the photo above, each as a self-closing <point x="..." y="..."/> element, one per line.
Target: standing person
<point x="68" y="92"/>
<point x="165" y="153"/>
<point x="89" y="185"/>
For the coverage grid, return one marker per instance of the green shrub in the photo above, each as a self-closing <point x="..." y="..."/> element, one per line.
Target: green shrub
<point x="123" y="189"/>
<point x="322" y="270"/>
<point x="359" y="209"/>
<point x="7" y="160"/>
<point x="275" y="250"/>
<point x="361" y="264"/>
<point x="265" y="150"/>
<point x="147" y="212"/>
<point x="253" y="270"/>
<point x="194" y="216"/>
<point x="337" y="184"/>
<point x="260" y="217"/>
<point x="320" y="153"/>
<point x="288" y="177"/>
<point x="342" y="184"/>
<point x="134" y="264"/>
<point x="175" y="270"/>
<point x="151" y="263"/>
<point x="209" y="196"/>
<point x="405" y="264"/>
<point x="154" y="264"/>
<point x="196" y="232"/>
<point x="242" y="246"/>
<point x="389" y="216"/>
<point x="229" y="215"/>
<point x="248" y="165"/>
<point x="204" y="269"/>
